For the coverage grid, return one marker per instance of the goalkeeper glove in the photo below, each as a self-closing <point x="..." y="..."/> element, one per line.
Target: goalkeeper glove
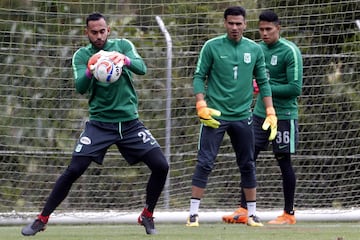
<point x="117" y="57"/>
<point x="205" y="114"/>
<point x="270" y="122"/>
<point x="92" y="63"/>
<point x="93" y="60"/>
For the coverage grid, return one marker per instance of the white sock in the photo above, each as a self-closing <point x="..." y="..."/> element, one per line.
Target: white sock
<point x="194" y="206"/>
<point x="251" y="206"/>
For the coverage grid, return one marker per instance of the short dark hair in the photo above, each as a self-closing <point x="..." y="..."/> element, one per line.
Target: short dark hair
<point x="269" y="16"/>
<point x="94" y="17"/>
<point x="235" y="11"/>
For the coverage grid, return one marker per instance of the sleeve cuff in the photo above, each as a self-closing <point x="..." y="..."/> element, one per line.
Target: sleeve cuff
<point x="88" y="73"/>
<point x="127" y="61"/>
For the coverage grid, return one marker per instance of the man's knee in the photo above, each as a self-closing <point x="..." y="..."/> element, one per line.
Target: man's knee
<point x="156" y="161"/>
<point x="248" y="176"/>
<point x="77" y="167"/>
<point x="201" y="175"/>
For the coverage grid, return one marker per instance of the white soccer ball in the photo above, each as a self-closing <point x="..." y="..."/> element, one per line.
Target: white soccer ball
<point x="106" y="71"/>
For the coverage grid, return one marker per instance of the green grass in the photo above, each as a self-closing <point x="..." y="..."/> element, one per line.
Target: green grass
<point x="207" y="231"/>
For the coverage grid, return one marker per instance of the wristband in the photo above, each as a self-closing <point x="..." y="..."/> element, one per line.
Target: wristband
<point x="127" y="61"/>
<point x="88" y="73"/>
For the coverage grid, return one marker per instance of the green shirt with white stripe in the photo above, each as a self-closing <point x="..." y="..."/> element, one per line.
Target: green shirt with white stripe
<point x="285" y="70"/>
<point x="109" y="102"/>
<point x="224" y="74"/>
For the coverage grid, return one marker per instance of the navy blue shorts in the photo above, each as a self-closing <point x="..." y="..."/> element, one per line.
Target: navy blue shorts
<point x="286" y="138"/>
<point x="132" y="139"/>
<point x="242" y="140"/>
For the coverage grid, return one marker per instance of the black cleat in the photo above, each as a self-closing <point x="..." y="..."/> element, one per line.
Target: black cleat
<point x="33" y="228"/>
<point x="148" y="223"/>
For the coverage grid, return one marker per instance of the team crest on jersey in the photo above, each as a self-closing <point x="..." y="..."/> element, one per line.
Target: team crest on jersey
<point x="247" y="57"/>
<point x="273" y="60"/>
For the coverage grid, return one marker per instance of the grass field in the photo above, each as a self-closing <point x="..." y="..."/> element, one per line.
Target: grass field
<point x="206" y="231"/>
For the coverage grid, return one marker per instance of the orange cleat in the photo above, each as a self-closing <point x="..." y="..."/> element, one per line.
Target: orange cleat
<point x="239" y="216"/>
<point x="284" y="219"/>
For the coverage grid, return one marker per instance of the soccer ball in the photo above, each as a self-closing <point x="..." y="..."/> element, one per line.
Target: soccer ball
<point x="106" y="71"/>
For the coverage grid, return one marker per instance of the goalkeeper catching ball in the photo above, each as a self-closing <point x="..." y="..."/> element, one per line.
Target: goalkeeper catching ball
<point x="284" y="65"/>
<point x="223" y="86"/>
<point x="113" y="120"/>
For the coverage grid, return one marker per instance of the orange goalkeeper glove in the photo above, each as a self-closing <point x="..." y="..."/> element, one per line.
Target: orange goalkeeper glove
<point x="270" y="122"/>
<point x="93" y="60"/>
<point x="91" y="64"/>
<point x="119" y="58"/>
<point x="205" y="114"/>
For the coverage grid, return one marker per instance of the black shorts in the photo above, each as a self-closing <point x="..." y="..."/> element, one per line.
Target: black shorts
<point x="132" y="139"/>
<point x="287" y="136"/>
<point x="242" y="140"/>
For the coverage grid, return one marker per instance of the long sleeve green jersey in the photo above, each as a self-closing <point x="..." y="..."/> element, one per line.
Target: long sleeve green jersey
<point x="224" y="74"/>
<point x="109" y="102"/>
<point x="285" y="69"/>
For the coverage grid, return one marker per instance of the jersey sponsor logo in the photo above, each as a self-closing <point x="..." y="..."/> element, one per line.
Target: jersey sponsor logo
<point x="85" y="140"/>
<point x="247" y="57"/>
<point x="222" y="56"/>
<point x="274" y="60"/>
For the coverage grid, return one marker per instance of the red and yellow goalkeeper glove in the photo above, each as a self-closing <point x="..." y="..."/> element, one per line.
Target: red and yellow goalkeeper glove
<point x="270" y="122"/>
<point x="205" y="114"/>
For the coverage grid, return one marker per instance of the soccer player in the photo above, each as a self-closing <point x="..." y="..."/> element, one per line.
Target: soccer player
<point x="113" y="119"/>
<point x="284" y="65"/>
<point x="224" y="91"/>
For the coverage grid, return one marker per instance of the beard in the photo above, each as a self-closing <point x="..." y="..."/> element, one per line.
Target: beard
<point x="98" y="43"/>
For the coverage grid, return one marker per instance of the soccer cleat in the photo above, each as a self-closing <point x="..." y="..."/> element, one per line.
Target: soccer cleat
<point x="254" y="221"/>
<point x="239" y="216"/>
<point x="148" y="223"/>
<point x="285" y="218"/>
<point x="33" y="228"/>
<point x="193" y="221"/>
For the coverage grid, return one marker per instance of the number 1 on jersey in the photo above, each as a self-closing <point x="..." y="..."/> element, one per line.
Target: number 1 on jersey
<point x="235" y="68"/>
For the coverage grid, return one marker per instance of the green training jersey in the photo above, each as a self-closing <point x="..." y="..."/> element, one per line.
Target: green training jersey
<point x="109" y="102"/>
<point x="224" y="74"/>
<point x="285" y="69"/>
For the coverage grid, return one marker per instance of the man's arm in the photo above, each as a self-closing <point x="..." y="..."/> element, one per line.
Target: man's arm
<point x="204" y="113"/>
<point x="268" y="102"/>
<point x="136" y="64"/>
<point x="79" y="65"/>
<point x="202" y="69"/>
<point x="294" y="74"/>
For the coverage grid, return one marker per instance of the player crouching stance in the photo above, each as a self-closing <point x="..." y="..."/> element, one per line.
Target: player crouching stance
<point x="113" y="119"/>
